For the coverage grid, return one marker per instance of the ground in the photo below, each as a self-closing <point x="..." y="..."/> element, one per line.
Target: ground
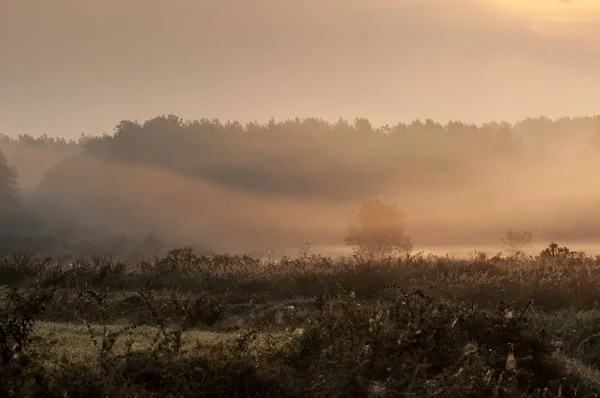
<point x="187" y="325"/>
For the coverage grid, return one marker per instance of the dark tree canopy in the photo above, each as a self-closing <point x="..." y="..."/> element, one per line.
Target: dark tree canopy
<point x="10" y="209"/>
<point x="300" y="158"/>
<point x="308" y="157"/>
<point x="9" y="188"/>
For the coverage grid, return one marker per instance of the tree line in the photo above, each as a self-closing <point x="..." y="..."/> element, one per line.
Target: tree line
<point x="307" y="157"/>
<point x="311" y="156"/>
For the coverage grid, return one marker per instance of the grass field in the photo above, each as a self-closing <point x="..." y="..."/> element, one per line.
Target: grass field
<point x="230" y="326"/>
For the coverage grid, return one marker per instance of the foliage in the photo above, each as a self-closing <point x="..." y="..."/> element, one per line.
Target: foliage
<point x="555" y="251"/>
<point x="9" y="188"/>
<point x="311" y="160"/>
<point x="594" y="139"/>
<point x="378" y="231"/>
<point x="311" y="326"/>
<point x="13" y="217"/>
<point x="19" y="368"/>
<point x="344" y="160"/>
<point x="43" y="141"/>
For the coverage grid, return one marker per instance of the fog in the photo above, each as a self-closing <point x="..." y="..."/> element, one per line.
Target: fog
<point x="277" y="167"/>
<point x="277" y="186"/>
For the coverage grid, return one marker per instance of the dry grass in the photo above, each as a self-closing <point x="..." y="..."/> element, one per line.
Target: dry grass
<point x="310" y="326"/>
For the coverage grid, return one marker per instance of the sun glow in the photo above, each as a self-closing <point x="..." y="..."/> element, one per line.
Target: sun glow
<point x="549" y="10"/>
<point x="577" y="20"/>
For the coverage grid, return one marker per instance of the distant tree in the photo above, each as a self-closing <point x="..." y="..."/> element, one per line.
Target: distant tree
<point x="378" y="231"/>
<point x="363" y="125"/>
<point x="517" y="240"/>
<point x="9" y="196"/>
<point x="152" y="244"/>
<point x="9" y="188"/>
<point x="594" y="139"/>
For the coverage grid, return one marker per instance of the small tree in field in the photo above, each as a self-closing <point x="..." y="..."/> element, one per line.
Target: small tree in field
<point x="517" y="240"/>
<point x="378" y="231"/>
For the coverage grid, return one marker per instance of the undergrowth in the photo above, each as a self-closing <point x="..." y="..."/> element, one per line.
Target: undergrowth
<point x="313" y="326"/>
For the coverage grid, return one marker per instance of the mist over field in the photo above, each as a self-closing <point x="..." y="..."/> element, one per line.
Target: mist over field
<point x="248" y="188"/>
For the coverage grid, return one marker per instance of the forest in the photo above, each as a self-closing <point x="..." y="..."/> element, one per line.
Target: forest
<point x="229" y="187"/>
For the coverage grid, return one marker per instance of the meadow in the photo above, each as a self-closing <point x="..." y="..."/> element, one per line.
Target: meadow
<point x="182" y="324"/>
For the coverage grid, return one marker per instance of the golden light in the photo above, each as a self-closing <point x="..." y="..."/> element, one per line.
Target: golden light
<point x="577" y="20"/>
<point x="549" y="10"/>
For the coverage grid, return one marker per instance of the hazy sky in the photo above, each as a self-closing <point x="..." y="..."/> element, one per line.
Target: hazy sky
<point x="71" y="66"/>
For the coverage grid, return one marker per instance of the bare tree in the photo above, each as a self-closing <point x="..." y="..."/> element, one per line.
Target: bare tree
<point x="517" y="240"/>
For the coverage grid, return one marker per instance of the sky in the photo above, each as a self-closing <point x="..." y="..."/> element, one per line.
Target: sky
<point x="80" y="66"/>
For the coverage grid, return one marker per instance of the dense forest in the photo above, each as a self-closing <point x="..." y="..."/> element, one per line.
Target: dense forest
<point x="241" y="187"/>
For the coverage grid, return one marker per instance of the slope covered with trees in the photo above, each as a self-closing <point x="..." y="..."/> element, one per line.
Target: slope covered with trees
<point x="297" y="180"/>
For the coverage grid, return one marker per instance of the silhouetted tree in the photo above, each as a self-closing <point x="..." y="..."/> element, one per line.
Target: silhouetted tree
<point x="555" y="251"/>
<point x="517" y="240"/>
<point x="594" y="139"/>
<point x="307" y="156"/>
<point x="9" y="188"/>
<point x="9" y="196"/>
<point x="378" y="231"/>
